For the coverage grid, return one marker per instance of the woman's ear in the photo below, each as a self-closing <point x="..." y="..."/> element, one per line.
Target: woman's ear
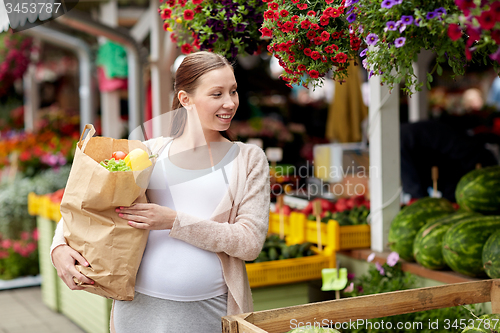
<point x="183" y="98"/>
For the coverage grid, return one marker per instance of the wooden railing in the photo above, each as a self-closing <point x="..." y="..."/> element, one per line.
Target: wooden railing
<point x="367" y="307"/>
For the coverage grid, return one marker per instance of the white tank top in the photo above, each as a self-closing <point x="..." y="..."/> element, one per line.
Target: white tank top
<point x="171" y="268"/>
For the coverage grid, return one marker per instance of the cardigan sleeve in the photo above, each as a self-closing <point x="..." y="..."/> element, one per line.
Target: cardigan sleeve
<point x="58" y="238"/>
<point x="245" y="237"/>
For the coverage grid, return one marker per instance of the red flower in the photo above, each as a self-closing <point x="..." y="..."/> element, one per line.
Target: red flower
<point x="468" y="54"/>
<point x="355" y="43"/>
<point x="454" y="32"/>
<point x="314" y="26"/>
<point x="166" y="14"/>
<point x="325" y="36"/>
<point x="329" y="49"/>
<point x="287" y="27"/>
<point x="269" y="48"/>
<point x="311" y="13"/>
<point x="302" y="6"/>
<point x="188" y="14"/>
<point x="328" y="12"/>
<point x="324" y="20"/>
<point x="495" y="8"/>
<point x="288" y="85"/>
<point x="318" y="41"/>
<point x="273" y="6"/>
<point x="328" y="1"/>
<point x="198" y="9"/>
<point x="307" y="51"/>
<point x="324" y="59"/>
<point x="197" y="2"/>
<point x="495" y="35"/>
<point x="171" y="3"/>
<point x="301" y="67"/>
<point x="473" y="35"/>
<point x="315" y="55"/>
<point x="182" y="2"/>
<point x="305" y="24"/>
<point x="487" y="20"/>
<point x="295" y="1"/>
<point x="284" y="13"/>
<point x="165" y="26"/>
<point x="291" y="59"/>
<point x="314" y="74"/>
<point x="335" y="13"/>
<point x="269" y="15"/>
<point x="336" y="35"/>
<point x="186" y="48"/>
<point x="173" y="38"/>
<point x="341" y="57"/>
<point x="311" y="34"/>
<point x="266" y="32"/>
<point x="294" y="18"/>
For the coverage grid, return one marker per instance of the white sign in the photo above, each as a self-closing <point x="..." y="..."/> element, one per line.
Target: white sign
<point x="274" y="154"/>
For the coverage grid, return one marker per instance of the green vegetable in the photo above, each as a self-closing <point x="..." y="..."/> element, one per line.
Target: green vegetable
<point x="114" y="165"/>
<point x="479" y="191"/>
<point x="463" y="244"/>
<point x="491" y="256"/>
<point x="487" y="323"/>
<point x="410" y="219"/>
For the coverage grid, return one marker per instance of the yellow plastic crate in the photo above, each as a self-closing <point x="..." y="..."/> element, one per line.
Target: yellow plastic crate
<point x="288" y="270"/>
<point x="41" y="205"/>
<point x="278" y="222"/>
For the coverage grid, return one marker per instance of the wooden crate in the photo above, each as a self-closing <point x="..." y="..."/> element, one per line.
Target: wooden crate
<point x="367" y="307"/>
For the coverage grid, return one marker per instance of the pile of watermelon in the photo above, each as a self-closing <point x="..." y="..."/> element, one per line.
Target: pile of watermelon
<point x="437" y="236"/>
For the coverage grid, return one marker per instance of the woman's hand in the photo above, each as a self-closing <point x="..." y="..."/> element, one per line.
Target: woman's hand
<point x="64" y="259"/>
<point x="148" y="216"/>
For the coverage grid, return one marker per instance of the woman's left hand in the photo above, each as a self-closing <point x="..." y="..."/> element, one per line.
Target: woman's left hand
<point x="148" y="216"/>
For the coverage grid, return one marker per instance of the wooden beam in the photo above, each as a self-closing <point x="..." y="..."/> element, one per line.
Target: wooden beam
<point x="374" y="306"/>
<point x="495" y="296"/>
<point x="142" y="28"/>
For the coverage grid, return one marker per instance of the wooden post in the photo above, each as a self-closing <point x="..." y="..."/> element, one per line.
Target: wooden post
<point x="317" y="212"/>
<point x="385" y="166"/>
<point x="495" y="296"/>
<point x="435" y="175"/>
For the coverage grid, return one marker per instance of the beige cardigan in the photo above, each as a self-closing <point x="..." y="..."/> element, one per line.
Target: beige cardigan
<point x="238" y="227"/>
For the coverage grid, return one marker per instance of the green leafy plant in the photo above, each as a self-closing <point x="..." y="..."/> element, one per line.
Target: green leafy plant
<point x="389" y="277"/>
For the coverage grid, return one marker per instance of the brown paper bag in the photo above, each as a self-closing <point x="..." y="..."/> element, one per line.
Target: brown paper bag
<point x="92" y="227"/>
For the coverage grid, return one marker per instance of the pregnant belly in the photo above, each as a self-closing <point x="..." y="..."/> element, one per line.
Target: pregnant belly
<point x="173" y="269"/>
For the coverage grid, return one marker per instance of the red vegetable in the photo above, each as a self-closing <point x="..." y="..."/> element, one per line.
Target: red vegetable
<point x="119" y="155"/>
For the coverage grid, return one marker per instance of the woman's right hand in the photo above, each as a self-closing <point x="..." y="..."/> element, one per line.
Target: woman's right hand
<point x="64" y="259"/>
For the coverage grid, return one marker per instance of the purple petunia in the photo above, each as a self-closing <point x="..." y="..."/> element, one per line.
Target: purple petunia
<point x="379" y="267"/>
<point x="440" y="11"/>
<point x="398" y="2"/>
<point x="392" y="259"/>
<point x="365" y="63"/>
<point x="430" y="15"/>
<point x="391" y="25"/>
<point x="363" y="53"/>
<point x="400" y="41"/>
<point x="240" y="27"/>
<point x="388" y="3"/>
<point x="371" y="39"/>
<point x="213" y="38"/>
<point x="370" y="74"/>
<point x="407" y="19"/>
<point x="351" y="18"/>
<point x="402" y="27"/>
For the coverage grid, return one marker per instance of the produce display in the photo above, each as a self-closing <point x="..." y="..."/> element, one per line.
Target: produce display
<point x="275" y="248"/>
<point x="411" y="219"/>
<point x="491" y="255"/>
<point x="487" y="323"/>
<point x="428" y="243"/>
<point x="463" y="244"/>
<point x="479" y="191"/>
<point x="136" y="160"/>
<point x="352" y="211"/>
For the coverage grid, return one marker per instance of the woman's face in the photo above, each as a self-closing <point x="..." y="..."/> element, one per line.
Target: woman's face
<point x="216" y="99"/>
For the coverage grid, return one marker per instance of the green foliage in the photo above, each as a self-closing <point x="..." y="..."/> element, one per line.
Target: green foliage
<point x="14" y="217"/>
<point x="114" y="165"/>
<point x="384" y="278"/>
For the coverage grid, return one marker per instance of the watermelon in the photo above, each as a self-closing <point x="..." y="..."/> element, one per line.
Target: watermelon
<point x="463" y="244"/>
<point x="479" y="191"/>
<point x="427" y="246"/>
<point x="491" y="256"/>
<point x="410" y="219"/>
<point x="487" y="323"/>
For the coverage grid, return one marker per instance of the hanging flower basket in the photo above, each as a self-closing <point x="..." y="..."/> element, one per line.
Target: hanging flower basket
<point x="309" y="38"/>
<point x="15" y="52"/>
<point x="227" y="27"/>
